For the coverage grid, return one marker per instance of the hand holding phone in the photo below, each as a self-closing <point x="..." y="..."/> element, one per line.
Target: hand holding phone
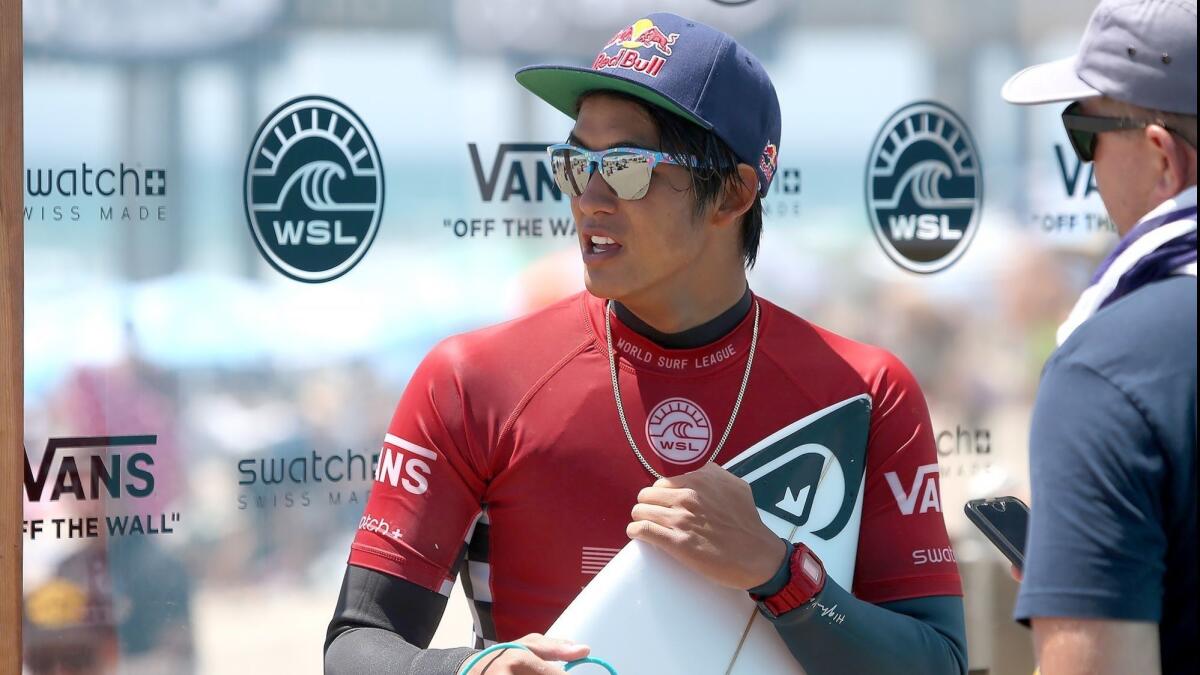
<point x="1004" y="521"/>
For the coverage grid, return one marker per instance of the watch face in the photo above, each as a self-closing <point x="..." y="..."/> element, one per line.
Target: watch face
<point x="811" y="567"/>
<point x="806" y="581"/>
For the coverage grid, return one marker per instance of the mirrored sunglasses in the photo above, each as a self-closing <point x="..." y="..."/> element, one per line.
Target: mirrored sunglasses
<point x="626" y="170"/>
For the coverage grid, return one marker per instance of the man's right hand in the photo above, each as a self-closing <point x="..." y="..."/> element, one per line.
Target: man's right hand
<point x="543" y="651"/>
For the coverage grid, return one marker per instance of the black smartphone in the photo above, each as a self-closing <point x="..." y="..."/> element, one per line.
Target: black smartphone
<point x="1004" y="521"/>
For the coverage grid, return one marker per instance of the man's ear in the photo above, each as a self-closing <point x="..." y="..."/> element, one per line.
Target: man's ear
<point x="1173" y="160"/>
<point x="737" y="197"/>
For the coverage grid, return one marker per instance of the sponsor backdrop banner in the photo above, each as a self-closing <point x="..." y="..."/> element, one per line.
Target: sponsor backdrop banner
<point x="247" y="222"/>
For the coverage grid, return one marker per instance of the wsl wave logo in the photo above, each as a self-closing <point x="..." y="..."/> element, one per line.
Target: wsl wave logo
<point x="924" y="187"/>
<point x="679" y="430"/>
<point x="314" y="189"/>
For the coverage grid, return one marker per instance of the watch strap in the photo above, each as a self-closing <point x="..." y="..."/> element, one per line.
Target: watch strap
<point x="806" y="580"/>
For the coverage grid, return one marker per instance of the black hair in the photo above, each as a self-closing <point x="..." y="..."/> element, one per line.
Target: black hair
<point x="717" y="170"/>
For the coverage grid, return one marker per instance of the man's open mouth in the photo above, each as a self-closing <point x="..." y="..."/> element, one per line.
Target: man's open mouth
<point x="599" y="244"/>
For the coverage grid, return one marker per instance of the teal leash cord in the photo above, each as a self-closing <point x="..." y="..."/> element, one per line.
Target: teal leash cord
<point x="512" y="645"/>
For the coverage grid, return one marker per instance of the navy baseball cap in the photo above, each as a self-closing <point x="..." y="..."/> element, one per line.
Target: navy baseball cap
<point x="687" y="68"/>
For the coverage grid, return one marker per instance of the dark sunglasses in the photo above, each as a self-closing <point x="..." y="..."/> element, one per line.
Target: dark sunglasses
<point x="1083" y="129"/>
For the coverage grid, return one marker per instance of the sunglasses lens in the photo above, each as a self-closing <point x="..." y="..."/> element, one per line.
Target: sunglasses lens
<point x="1083" y="142"/>
<point x="627" y="173"/>
<point x="570" y="169"/>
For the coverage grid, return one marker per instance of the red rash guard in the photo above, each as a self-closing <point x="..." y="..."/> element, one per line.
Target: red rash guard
<point x="506" y="451"/>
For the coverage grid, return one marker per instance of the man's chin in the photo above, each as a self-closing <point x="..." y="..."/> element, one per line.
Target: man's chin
<point x="600" y="287"/>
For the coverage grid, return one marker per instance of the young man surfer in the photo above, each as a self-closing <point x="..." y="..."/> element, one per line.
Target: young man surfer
<point x="524" y="455"/>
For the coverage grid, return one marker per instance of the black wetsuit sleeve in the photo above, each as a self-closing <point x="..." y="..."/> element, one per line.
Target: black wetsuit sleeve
<point x="838" y="633"/>
<point x="383" y="624"/>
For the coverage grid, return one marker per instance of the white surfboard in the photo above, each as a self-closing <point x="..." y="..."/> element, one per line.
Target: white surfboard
<point x="646" y="613"/>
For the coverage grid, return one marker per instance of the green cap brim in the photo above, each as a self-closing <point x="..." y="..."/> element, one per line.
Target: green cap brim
<point x="561" y="87"/>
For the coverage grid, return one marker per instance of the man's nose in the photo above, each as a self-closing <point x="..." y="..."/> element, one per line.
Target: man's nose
<point x="598" y="196"/>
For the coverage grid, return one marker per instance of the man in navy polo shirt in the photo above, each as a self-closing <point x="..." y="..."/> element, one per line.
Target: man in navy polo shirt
<point x="1111" y="564"/>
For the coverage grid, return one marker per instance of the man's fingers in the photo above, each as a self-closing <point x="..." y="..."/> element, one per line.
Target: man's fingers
<point x="535" y="665"/>
<point x="554" y="649"/>
<point x="514" y="661"/>
<point x="675" y="482"/>
<point x="653" y="533"/>
<point x="654" y="513"/>
<point x="520" y="662"/>
<point x="668" y="482"/>
<point x="661" y="496"/>
<point x="666" y="496"/>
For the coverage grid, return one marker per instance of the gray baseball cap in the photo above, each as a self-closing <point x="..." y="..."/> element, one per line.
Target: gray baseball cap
<point x="1137" y="51"/>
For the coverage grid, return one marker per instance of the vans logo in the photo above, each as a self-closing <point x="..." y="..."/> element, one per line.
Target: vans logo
<point x="404" y="464"/>
<point x="924" y="486"/>
<point x="107" y="475"/>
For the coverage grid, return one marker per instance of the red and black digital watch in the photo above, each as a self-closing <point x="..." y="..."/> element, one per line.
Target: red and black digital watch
<point x="806" y="579"/>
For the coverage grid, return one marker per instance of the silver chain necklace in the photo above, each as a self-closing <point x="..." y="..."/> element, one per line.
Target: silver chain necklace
<point x="612" y="369"/>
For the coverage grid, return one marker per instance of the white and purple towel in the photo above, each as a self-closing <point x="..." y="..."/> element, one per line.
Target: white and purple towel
<point x="1162" y="244"/>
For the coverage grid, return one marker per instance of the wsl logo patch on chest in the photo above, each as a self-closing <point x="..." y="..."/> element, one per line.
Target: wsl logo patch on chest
<point x="313" y="189"/>
<point x="679" y="431"/>
<point x="924" y="187"/>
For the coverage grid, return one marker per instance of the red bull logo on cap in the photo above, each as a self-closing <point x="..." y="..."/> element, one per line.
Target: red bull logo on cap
<point x="768" y="160"/>
<point x="642" y="34"/>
